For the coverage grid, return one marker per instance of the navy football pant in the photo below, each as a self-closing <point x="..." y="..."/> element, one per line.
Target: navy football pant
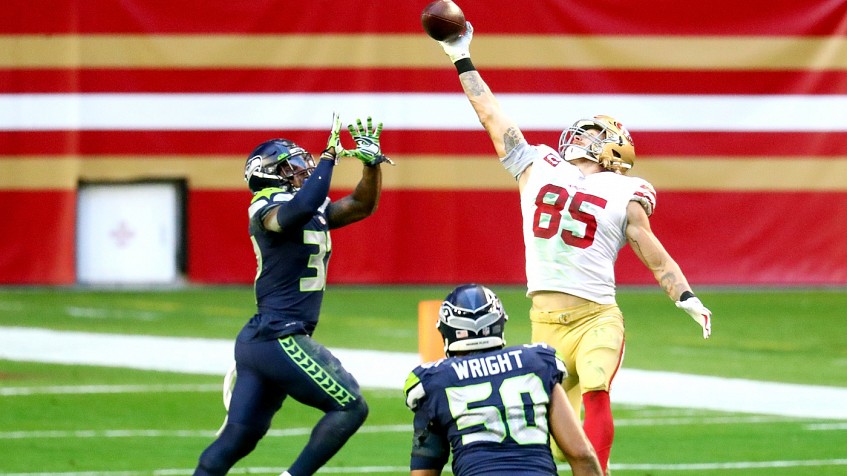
<point x="267" y="373"/>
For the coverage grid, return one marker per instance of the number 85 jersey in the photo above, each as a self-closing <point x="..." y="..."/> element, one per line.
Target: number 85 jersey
<point x="490" y="408"/>
<point x="574" y="225"/>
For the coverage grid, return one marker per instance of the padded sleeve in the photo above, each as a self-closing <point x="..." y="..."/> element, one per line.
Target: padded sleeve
<point x="645" y="194"/>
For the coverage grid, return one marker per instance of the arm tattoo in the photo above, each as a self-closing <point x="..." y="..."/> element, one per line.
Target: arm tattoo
<point x="668" y="283"/>
<point x="473" y="85"/>
<point x="511" y="139"/>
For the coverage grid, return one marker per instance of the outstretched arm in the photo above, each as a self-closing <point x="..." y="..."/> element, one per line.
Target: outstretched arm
<point x="666" y="271"/>
<point x="504" y="132"/>
<point x="297" y="211"/>
<point x="363" y="201"/>
<point x="651" y="252"/>
<point x="569" y="436"/>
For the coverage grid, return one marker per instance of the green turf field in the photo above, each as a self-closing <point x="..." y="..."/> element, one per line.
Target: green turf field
<point x="92" y="421"/>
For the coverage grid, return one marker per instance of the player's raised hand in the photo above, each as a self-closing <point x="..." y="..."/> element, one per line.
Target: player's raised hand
<point x="333" y="144"/>
<point x="459" y="47"/>
<point x="694" y="308"/>
<point x="367" y="149"/>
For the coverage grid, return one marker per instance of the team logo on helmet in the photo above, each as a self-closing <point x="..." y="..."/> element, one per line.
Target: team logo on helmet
<point x="275" y="163"/>
<point x="472" y="318"/>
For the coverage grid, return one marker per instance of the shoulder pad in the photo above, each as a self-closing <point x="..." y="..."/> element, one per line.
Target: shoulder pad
<point x="645" y="195"/>
<point x="413" y="388"/>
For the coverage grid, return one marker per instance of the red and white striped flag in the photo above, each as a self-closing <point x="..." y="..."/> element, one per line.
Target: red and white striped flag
<point x="738" y="112"/>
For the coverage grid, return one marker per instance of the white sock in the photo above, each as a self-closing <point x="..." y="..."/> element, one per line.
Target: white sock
<point x="285" y="473"/>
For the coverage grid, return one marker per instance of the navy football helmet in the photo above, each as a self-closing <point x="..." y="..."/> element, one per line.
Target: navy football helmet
<point x="472" y="318"/>
<point x="274" y="163"/>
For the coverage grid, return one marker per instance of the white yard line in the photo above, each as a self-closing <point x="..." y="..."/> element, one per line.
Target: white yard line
<point x="92" y="389"/>
<point x="725" y="466"/>
<point x="367" y="428"/>
<point x="616" y="468"/>
<point x="388" y="370"/>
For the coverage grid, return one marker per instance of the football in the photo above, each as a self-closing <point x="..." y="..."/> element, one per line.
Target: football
<point x="443" y="20"/>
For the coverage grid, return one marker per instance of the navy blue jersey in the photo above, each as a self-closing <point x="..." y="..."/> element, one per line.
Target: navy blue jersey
<point x="491" y="408"/>
<point x="291" y="270"/>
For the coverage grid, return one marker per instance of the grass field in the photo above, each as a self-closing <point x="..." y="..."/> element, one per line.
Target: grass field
<point x="60" y="419"/>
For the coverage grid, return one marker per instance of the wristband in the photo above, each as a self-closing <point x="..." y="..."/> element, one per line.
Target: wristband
<point x="325" y="155"/>
<point x="464" y="65"/>
<point x="685" y="295"/>
<point x="376" y="161"/>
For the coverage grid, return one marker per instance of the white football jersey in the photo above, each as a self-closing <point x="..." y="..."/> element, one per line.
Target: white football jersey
<point x="574" y="224"/>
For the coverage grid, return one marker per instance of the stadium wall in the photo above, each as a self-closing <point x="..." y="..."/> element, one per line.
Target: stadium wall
<point x="740" y="123"/>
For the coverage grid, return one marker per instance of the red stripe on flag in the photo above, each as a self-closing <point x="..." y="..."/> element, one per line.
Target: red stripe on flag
<point x="606" y="17"/>
<point x="443" y="80"/>
<point x="415" y="142"/>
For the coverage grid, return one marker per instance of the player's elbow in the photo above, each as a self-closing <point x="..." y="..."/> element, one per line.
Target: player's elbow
<point x="587" y="469"/>
<point x="585" y="463"/>
<point x="369" y="207"/>
<point x="487" y="116"/>
<point x="363" y="209"/>
<point x="582" y="458"/>
<point x="487" y="110"/>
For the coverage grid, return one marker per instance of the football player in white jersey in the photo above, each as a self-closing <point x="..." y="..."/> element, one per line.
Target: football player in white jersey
<point x="579" y="209"/>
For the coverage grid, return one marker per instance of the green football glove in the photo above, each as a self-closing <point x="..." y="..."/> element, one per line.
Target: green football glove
<point x="367" y="143"/>
<point x="333" y="144"/>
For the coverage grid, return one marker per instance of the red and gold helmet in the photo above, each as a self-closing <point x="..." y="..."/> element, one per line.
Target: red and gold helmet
<point x="601" y="139"/>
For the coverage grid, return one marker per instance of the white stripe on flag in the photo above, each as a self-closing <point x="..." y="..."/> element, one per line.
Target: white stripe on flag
<point x="22" y="112"/>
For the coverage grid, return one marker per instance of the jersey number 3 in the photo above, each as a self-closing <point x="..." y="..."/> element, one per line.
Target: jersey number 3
<point x="550" y="203"/>
<point x="317" y="260"/>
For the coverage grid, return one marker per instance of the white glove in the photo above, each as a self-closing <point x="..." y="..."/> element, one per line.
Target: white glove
<point x="459" y="47"/>
<point x="698" y="312"/>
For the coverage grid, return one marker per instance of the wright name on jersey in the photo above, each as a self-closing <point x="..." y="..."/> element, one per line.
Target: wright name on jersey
<point x="490" y="407"/>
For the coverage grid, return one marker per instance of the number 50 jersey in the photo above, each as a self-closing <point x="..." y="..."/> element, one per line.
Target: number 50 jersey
<point x="491" y="407"/>
<point x="574" y="225"/>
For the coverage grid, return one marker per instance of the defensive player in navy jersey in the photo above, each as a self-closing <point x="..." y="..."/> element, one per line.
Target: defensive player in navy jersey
<point x="275" y="355"/>
<point x="495" y="407"/>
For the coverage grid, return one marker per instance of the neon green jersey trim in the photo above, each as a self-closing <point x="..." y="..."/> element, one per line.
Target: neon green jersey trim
<point x="315" y="371"/>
